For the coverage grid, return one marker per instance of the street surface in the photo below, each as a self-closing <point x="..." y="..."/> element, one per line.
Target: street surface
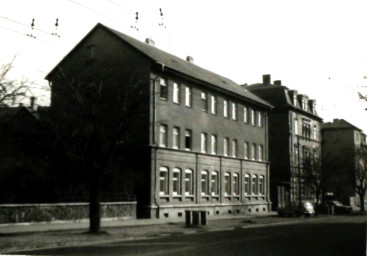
<point x="335" y="237"/>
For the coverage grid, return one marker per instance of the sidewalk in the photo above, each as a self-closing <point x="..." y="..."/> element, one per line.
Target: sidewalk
<point x="23" y="237"/>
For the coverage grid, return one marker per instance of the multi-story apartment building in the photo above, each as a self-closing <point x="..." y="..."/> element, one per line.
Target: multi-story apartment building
<point x="203" y="139"/>
<point x="294" y="139"/>
<point x="340" y="140"/>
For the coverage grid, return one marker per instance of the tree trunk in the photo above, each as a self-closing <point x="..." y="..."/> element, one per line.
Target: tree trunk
<point x="361" y="199"/>
<point x="94" y="205"/>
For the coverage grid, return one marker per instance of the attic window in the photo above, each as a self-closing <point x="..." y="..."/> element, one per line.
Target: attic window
<point x="91" y="52"/>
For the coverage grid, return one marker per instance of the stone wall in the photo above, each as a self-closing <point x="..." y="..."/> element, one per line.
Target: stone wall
<point x="18" y="213"/>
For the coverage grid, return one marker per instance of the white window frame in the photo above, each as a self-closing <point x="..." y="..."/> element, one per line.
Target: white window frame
<point x="213" y="104"/>
<point x="262" y="185"/>
<point x="259" y="119"/>
<point x="247" y="185"/>
<point x="188" y="97"/>
<point x="215" y="183"/>
<point x="189" y="182"/>
<point x="204" y="101"/>
<point x="163" y="187"/>
<point x="227" y="184"/>
<point x="204" y="183"/>
<point x="163" y="84"/>
<point x="252" y="116"/>
<point x="260" y="153"/>
<point x="245" y="115"/>
<point x="296" y="126"/>
<point x="234" y="148"/>
<point x="226" y="146"/>
<point x="234" y="111"/>
<point x="236" y="184"/>
<point x="255" y="184"/>
<point x="176" y="93"/>
<point x="176" y="137"/>
<point x="163" y="135"/>
<point x="246" y="150"/>
<point x="253" y="151"/>
<point x="213" y="143"/>
<point x="203" y="142"/>
<point x="225" y="108"/>
<point x="176" y="181"/>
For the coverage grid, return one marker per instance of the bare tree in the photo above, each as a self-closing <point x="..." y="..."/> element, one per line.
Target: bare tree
<point x="11" y="91"/>
<point x="95" y="112"/>
<point x="360" y="177"/>
<point x="316" y="176"/>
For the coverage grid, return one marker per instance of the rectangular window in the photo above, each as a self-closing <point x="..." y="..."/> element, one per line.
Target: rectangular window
<point x="296" y="126"/>
<point x="176" y="138"/>
<point x="234" y="111"/>
<point x="204" y="183"/>
<point x="259" y="119"/>
<point x="252" y="116"/>
<point x="254" y="185"/>
<point x="213" y="105"/>
<point x="163" y="135"/>
<point x="245" y="115"/>
<point x="260" y="153"/>
<point x="306" y="130"/>
<point x="189" y="188"/>
<point x="227" y="184"/>
<point x="236" y="184"/>
<point x="215" y="183"/>
<point x="163" y="89"/>
<point x="296" y="155"/>
<point x="163" y="181"/>
<point x="225" y="146"/>
<point x="315" y="133"/>
<point x="176" y="93"/>
<point x="188" y="140"/>
<point x="234" y="148"/>
<point x="225" y="108"/>
<point x="91" y="52"/>
<point x="261" y="185"/>
<point x="245" y="150"/>
<point x="213" y="144"/>
<point x="204" y="102"/>
<point x="203" y="142"/>
<point x="253" y="151"/>
<point x="188" y="96"/>
<point x="247" y="185"/>
<point x="176" y="182"/>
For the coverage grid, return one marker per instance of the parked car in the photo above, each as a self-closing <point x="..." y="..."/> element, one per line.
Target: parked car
<point x="334" y="207"/>
<point x="291" y="209"/>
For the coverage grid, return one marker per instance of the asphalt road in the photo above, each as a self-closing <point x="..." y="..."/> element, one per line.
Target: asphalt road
<point x="334" y="238"/>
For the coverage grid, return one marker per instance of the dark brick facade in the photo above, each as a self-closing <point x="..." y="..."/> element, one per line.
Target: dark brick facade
<point x="242" y="182"/>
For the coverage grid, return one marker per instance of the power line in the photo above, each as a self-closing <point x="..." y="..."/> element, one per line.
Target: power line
<point x="90" y="9"/>
<point x="12" y="30"/>
<point x="121" y="6"/>
<point x="25" y="25"/>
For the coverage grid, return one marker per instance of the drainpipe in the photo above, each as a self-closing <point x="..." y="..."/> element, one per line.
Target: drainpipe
<point x="154" y="137"/>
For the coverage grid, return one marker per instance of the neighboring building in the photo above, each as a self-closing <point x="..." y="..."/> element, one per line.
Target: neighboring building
<point x="294" y="139"/>
<point x="340" y="139"/>
<point x="202" y="138"/>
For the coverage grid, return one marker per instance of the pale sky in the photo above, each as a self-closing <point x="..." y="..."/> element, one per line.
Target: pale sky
<point x="318" y="47"/>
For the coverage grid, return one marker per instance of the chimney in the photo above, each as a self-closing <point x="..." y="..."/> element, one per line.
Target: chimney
<point x="150" y="41"/>
<point x="266" y="79"/>
<point x="190" y="59"/>
<point x="33" y="103"/>
<point x="278" y="82"/>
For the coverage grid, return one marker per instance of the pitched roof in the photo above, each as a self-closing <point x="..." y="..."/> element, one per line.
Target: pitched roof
<point x="185" y="67"/>
<point x="278" y="96"/>
<point x="339" y="124"/>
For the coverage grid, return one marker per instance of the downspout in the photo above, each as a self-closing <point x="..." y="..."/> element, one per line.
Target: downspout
<point x="155" y="145"/>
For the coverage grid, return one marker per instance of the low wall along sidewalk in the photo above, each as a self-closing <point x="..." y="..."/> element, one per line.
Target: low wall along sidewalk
<point x="19" y="213"/>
